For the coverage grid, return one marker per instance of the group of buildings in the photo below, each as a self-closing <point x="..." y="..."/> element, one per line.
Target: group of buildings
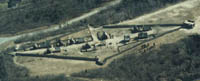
<point x="55" y="45"/>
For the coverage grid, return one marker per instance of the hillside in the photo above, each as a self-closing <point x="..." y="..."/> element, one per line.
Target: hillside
<point x="182" y="57"/>
<point x="128" y="9"/>
<point x="173" y="62"/>
<point x="40" y="13"/>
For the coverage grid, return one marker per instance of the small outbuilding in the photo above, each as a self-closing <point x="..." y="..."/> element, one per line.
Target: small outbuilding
<point x="127" y="38"/>
<point x="148" y="28"/>
<point x="42" y="45"/>
<point x="142" y="35"/>
<point x="189" y="24"/>
<point x="53" y="50"/>
<point x="102" y="35"/>
<point x="85" y="47"/>
<point x="136" y="29"/>
<point x="79" y="40"/>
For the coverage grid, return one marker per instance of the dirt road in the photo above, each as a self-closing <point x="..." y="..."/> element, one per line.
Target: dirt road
<point x="77" y="19"/>
<point x="5" y="39"/>
<point x="57" y="27"/>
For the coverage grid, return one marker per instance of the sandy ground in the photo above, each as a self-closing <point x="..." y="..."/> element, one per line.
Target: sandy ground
<point x="175" y="14"/>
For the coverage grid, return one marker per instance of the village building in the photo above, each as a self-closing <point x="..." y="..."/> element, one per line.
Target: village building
<point x="85" y="47"/>
<point x="127" y="38"/>
<point x="142" y="35"/>
<point x="102" y="35"/>
<point x="79" y="40"/>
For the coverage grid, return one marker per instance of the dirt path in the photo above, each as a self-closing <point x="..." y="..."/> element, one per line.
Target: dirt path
<point x="5" y="39"/>
<point x="77" y="19"/>
<point x="57" y="27"/>
<point x="93" y="33"/>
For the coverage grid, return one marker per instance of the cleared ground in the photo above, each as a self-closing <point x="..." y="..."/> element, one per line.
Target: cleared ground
<point x="174" y="14"/>
<point x="48" y="66"/>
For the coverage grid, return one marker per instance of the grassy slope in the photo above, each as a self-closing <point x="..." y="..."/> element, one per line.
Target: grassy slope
<point x="128" y="9"/>
<point x="11" y="72"/>
<point x="179" y="61"/>
<point x="43" y="13"/>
